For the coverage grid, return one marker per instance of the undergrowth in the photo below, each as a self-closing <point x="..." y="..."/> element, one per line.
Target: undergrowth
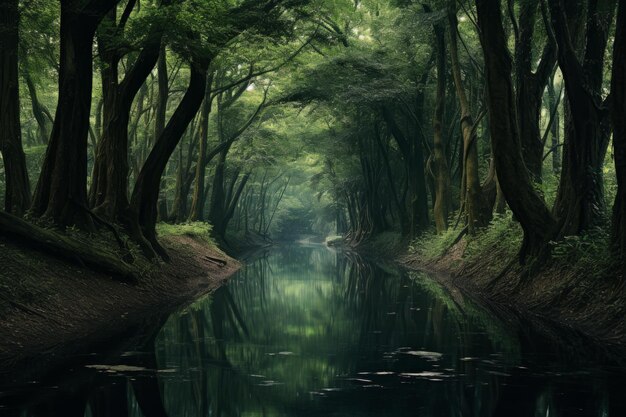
<point x="198" y="230"/>
<point x="431" y="245"/>
<point x="500" y="242"/>
<point x="587" y="253"/>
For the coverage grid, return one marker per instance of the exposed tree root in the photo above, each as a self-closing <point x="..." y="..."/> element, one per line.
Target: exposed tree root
<point x="66" y="247"/>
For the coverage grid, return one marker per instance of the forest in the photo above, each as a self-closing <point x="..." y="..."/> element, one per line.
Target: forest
<point x="142" y="141"/>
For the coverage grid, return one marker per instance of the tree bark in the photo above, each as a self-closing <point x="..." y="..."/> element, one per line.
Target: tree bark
<point x="109" y="190"/>
<point x="618" y="110"/>
<point x="39" y="110"/>
<point x="159" y="119"/>
<point x="441" y="209"/>
<point x="146" y="191"/>
<point x="514" y="178"/>
<point x="555" y="141"/>
<point x="199" y="198"/>
<point x="476" y="206"/>
<point x="217" y="210"/>
<point x="580" y="199"/>
<point x="17" y="192"/>
<point x="61" y="191"/>
<point x="530" y="86"/>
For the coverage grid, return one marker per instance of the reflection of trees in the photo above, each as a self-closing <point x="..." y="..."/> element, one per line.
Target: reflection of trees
<point x="76" y="388"/>
<point x="340" y="315"/>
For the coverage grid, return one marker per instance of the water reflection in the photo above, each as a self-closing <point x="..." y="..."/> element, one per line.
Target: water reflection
<point x="305" y="331"/>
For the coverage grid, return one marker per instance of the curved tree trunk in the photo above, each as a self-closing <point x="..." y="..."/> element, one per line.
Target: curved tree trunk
<point x="17" y="192"/>
<point x="515" y="181"/>
<point x="39" y="110"/>
<point x="146" y="191"/>
<point x="109" y="190"/>
<point x="477" y="208"/>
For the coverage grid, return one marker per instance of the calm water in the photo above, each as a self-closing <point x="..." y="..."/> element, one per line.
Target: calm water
<point x="306" y="331"/>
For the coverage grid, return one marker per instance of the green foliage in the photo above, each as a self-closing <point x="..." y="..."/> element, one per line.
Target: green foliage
<point x="503" y="233"/>
<point x="199" y="230"/>
<point x="431" y="245"/>
<point x="586" y="253"/>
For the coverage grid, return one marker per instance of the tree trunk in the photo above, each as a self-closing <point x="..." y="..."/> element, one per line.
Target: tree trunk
<point x="476" y="207"/>
<point x="61" y="192"/>
<point x="146" y="191"/>
<point x="530" y="87"/>
<point x="441" y="209"/>
<point x="555" y="141"/>
<point x="233" y="200"/>
<point x="413" y="156"/>
<point x="580" y="199"/>
<point x="159" y="120"/>
<point x="618" y="93"/>
<point x="39" y="111"/>
<point x="515" y="181"/>
<point x="17" y="192"/>
<point x="109" y="190"/>
<point x="217" y="207"/>
<point x="199" y="198"/>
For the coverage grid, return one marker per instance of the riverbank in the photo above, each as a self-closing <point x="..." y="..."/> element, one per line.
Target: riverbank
<point x="49" y="305"/>
<point x="579" y="288"/>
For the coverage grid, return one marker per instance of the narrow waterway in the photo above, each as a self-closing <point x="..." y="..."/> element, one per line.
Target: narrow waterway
<point x="308" y="331"/>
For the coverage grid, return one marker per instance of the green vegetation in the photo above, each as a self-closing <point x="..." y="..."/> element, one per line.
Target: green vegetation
<point x="481" y="133"/>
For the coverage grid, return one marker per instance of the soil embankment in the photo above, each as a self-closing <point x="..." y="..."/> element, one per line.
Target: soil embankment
<point x="50" y="308"/>
<point x="572" y="297"/>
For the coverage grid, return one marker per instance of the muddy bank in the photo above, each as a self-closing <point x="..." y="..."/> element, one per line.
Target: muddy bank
<point x="50" y="308"/>
<point x="558" y="293"/>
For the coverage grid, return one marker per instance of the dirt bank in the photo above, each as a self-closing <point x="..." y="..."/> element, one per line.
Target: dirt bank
<point x="577" y="298"/>
<point x="50" y="306"/>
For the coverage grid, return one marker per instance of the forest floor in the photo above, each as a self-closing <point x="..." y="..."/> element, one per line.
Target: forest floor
<point x="577" y="289"/>
<point x="49" y="306"/>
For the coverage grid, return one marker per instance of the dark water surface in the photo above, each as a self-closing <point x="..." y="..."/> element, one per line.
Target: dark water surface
<point x="306" y="331"/>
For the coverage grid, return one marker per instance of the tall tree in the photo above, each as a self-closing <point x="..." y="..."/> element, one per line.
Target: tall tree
<point x="199" y="198"/>
<point x="109" y="190"/>
<point x="618" y="95"/>
<point x="531" y="83"/>
<point x="441" y="171"/>
<point x="580" y="200"/>
<point x="17" y="192"/>
<point x="200" y="53"/>
<point x="61" y="192"/>
<point x="146" y="191"/>
<point x="476" y="205"/>
<point x="515" y="181"/>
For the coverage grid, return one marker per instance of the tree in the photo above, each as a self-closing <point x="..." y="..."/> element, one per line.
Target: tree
<point x="476" y="205"/>
<point x="17" y="192"/>
<point x="61" y="192"/>
<point x="530" y="84"/>
<point x="514" y="178"/>
<point x="618" y="111"/>
<point x="199" y="53"/>
<point x="580" y="200"/>
<point x="109" y="190"/>
<point x="441" y="171"/>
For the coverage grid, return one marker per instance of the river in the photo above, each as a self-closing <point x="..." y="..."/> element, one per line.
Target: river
<point x="304" y="330"/>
